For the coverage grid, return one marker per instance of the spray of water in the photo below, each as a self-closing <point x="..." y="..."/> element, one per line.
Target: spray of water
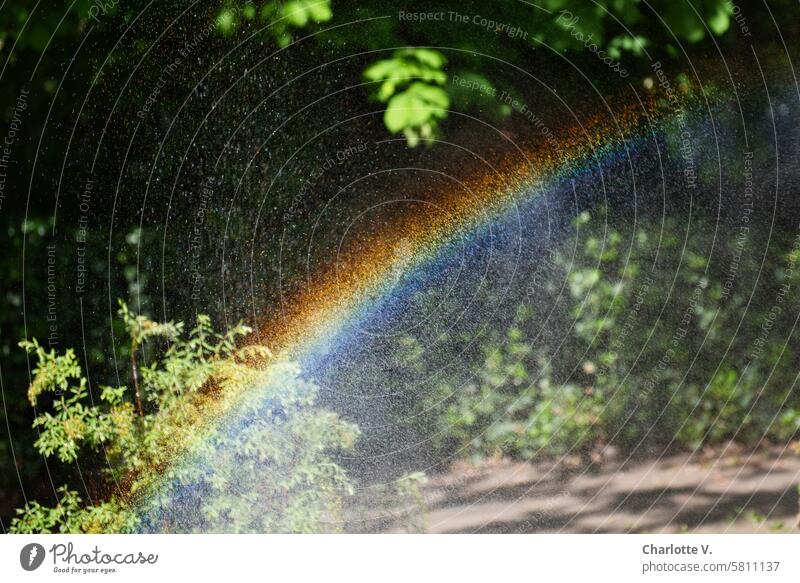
<point x="350" y="317"/>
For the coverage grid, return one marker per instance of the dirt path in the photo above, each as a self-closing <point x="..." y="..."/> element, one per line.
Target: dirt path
<point x="714" y="492"/>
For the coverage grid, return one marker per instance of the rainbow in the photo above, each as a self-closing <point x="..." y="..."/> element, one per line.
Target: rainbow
<point x="320" y="316"/>
<point x="325" y="315"/>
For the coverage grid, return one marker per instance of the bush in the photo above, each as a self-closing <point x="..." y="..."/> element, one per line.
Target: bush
<point x="647" y="356"/>
<point x="210" y="437"/>
<point x="512" y="406"/>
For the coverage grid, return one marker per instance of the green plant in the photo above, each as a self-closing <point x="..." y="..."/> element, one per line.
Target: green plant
<point x="281" y="18"/>
<point x="637" y="367"/>
<point x="720" y="409"/>
<point x="410" y="85"/>
<point x="512" y="405"/>
<point x="408" y="489"/>
<point x="70" y="516"/>
<point x="413" y="80"/>
<point x="182" y="472"/>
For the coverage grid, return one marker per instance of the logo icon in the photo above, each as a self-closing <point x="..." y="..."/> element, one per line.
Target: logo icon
<point x="31" y="556"/>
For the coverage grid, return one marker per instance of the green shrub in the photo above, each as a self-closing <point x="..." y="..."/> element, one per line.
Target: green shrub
<point x="647" y="357"/>
<point x="512" y="406"/>
<point x="210" y="437"/>
<point x="413" y="81"/>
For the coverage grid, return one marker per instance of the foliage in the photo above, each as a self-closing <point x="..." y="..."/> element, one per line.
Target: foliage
<point x="37" y="38"/>
<point x="512" y="405"/>
<point x="639" y="368"/>
<point x="281" y="18"/>
<point x="414" y="79"/>
<point x="182" y="473"/>
<point x="621" y="30"/>
<point x="264" y="470"/>
<point x="668" y="365"/>
<point x="410" y="85"/>
<point x="74" y="423"/>
<point x="70" y="516"/>
<point x="413" y="518"/>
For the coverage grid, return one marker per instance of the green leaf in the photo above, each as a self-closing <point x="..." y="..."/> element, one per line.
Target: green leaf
<point x="413" y="108"/>
<point x="720" y="21"/>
